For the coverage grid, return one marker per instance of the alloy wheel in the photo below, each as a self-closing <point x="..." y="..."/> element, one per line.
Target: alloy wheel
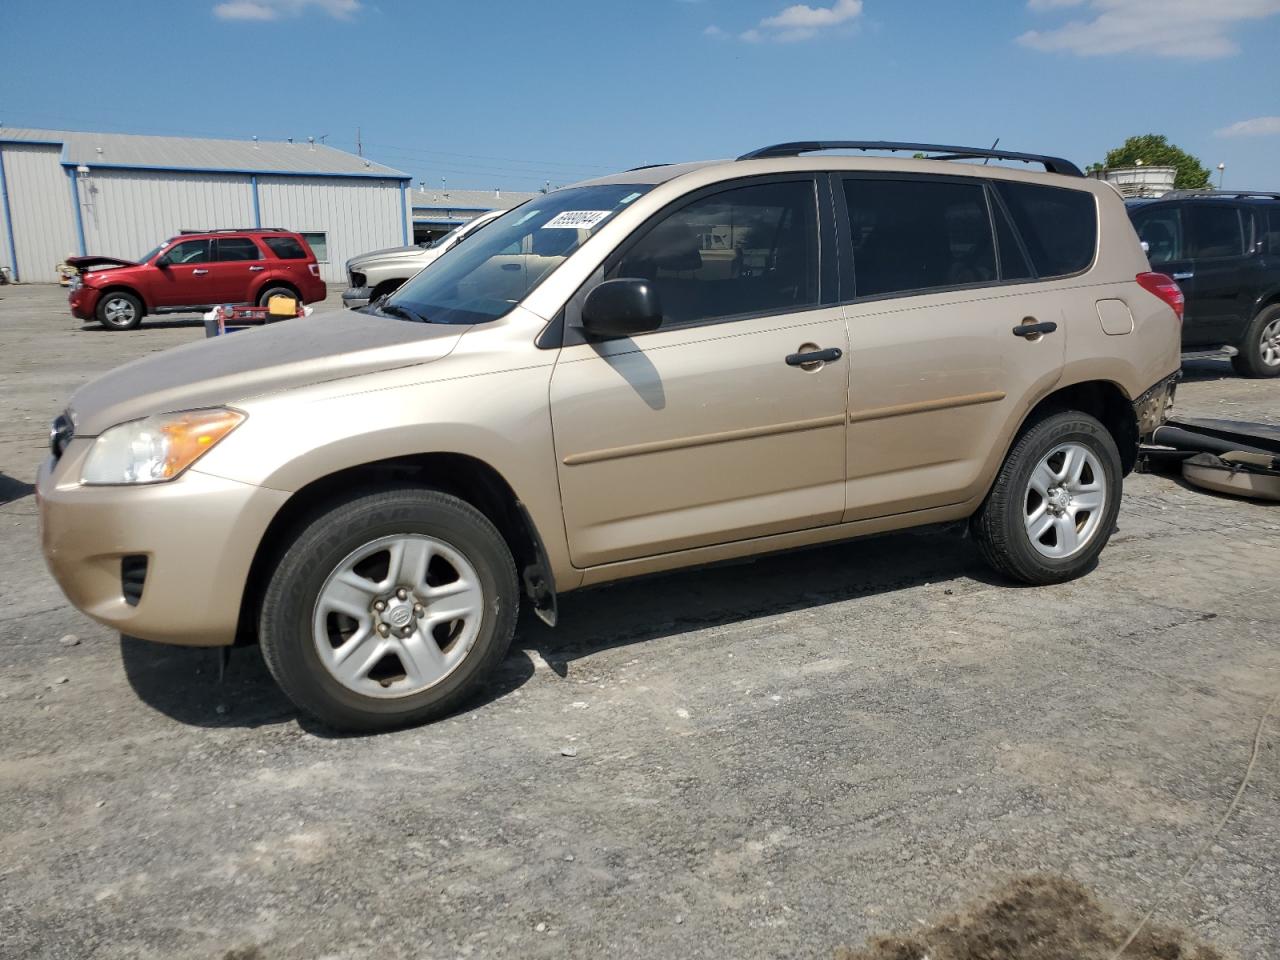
<point x="1065" y="500"/>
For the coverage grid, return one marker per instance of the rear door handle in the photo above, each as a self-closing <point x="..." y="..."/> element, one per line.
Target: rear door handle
<point x="1033" y="329"/>
<point x="1185" y="275"/>
<point x="256" y="269"/>
<point x="814" y="357"/>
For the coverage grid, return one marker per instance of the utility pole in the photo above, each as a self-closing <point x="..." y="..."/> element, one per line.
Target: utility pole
<point x="1222" y="169"/>
<point x="359" y="145"/>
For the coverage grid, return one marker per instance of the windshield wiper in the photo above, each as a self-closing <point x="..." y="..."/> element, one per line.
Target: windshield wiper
<point x="395" y="310"/>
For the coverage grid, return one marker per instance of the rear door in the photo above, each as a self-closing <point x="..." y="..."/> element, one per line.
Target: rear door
<point x="710" y="429"/>
<point x="941" y="280"/>
<point x="238" y="264"/>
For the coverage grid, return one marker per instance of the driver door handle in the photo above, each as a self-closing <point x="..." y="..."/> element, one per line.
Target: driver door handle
<point x="813" y="357"/>
<point x="198" y="272"/>
<point x="256" y="269"/>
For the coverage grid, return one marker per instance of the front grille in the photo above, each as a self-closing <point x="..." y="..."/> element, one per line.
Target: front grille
<point x="358" y="279"/>
<point x="133" y="577"/>
<point x="60" y="435"/>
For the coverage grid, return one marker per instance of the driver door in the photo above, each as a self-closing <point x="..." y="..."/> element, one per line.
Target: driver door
<point x="184" y="280"/>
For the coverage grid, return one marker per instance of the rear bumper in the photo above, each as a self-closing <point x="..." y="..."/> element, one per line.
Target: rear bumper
<point x="198" y="535"/>
<point x="1154" y="406"/>
<point x="353" y="297"/>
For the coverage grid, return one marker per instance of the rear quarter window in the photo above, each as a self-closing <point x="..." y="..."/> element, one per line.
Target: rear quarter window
<point x="1059" y="226"/>
<point x="286" y="248"/>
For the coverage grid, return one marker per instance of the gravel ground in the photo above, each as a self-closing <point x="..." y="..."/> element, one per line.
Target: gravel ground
<point x="773" y="759"/>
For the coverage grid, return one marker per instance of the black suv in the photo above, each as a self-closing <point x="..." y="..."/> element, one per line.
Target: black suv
<point x="1223" y="248"/>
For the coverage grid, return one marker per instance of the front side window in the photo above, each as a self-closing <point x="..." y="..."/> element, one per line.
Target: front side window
<point x="1213" y="231"/>
<point x="189" y="251"/>
<point x="235" y="248"/>
<point x="1058" y="225"/>
<point x="484" y="278"/>
<point x="749" y="250"/>
<point x="1161" y="230"/>
<point x="918" y="235"/>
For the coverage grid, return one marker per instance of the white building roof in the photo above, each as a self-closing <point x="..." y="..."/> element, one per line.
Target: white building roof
<point x="468" y="199"/>
<point x="188" y="153"/>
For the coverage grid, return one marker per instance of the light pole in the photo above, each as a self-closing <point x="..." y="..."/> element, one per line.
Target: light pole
<point x="1221" y="170"/>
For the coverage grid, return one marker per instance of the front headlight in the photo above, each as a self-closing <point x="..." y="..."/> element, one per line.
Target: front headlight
<point x="158" y="448"/>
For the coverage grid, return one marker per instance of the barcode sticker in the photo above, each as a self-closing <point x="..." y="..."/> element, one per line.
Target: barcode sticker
<point x="576" y="220"/>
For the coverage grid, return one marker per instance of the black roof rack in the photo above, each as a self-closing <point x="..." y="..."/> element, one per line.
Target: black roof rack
<point x="943" y="152"/>
<point x="646" y="166"/>
<point x="1233" y="194"/>
<point x="239" y="230"/>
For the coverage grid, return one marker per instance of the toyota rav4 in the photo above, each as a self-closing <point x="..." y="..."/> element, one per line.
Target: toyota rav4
<point x="668" y="367"/>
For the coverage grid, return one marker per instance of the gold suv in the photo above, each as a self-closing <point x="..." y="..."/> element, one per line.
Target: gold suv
<point x="668" y="367"/>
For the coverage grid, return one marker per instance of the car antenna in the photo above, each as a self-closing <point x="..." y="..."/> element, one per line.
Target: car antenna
<point x="993" y="146"/>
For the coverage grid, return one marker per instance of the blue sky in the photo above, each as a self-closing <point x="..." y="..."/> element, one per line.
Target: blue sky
<point x="513" y="94"/>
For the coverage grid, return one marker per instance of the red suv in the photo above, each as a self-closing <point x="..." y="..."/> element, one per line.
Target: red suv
<point x="196" y="271"/>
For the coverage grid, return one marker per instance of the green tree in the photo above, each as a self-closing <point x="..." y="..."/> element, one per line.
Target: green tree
<point x="1155" y="150"/>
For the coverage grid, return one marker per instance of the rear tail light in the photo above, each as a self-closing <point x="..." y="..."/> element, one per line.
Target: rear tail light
<point x="1166" y="288"/>
<point x="314" y="268"/>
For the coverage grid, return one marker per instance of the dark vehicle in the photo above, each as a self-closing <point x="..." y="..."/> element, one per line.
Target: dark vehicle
<point x="1223" y="248"/>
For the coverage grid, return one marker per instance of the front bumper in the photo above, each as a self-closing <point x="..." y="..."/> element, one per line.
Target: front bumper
<point x="198" y="533"/>
<point x="353" y="297"/>
<point x="83" y="301"/>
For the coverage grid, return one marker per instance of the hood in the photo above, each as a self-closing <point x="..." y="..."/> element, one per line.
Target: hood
<point x="232" y="368"/>
<point x="390" y="253"/>
<point x="84" y="264"/>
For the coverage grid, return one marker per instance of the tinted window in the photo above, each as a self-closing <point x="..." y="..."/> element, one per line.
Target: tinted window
<point x="236" y="248"/>
<point x="1059" y="226"/>
<point x="749" y="250"/>
<point x="286" y="248"/>
<point x="1271" y="242"/>
<point x="189" y="251"/>
<point x="318" y="241"/>
<point x="918" y="234"/>
<point x="1014" y="264"/>
<point x="1161" y="230"/>
<point x="1212" y="231"/>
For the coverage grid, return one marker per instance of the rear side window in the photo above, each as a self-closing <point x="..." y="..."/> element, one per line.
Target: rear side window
<point x="1161" y="230"/>
<point x="1213" y="231"/>
<point x="918" y="235"/>
<point x="749" y="250"/>
<point x="1271" y="242"/>
<point x="1059" y="226"/>
<point x="286" y="248"/>
<point x="235" y="248"/>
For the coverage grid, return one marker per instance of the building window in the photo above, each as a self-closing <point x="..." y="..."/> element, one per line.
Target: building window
<point x="318" y="241"/>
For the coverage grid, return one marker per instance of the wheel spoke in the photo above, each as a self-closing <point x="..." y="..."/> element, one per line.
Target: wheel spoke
<point x="1090" y="501"/>
<point x="355" y="658"/>
<point x="421" y="657"/>
<point x="1068" y="539"/>
<point x="454" y="601"/>
<point x="1038" y="526"/>
<point x="349" y="593"/>
<point x="409" y="561"/>
<point x="1042" y="479"/>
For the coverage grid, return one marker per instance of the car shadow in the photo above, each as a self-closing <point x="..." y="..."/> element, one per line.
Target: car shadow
<point x="149" y="323"/>
<point x="12" y="489"/>
<point x="183" y="682"/>
<point x="1204" y="371"/>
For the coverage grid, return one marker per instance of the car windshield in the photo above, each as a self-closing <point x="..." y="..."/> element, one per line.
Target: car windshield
<point x="146" y="257"/>
<point x="482" y="279"/>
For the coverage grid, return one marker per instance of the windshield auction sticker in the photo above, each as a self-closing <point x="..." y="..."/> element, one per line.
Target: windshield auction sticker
<point x="576" y="220"/>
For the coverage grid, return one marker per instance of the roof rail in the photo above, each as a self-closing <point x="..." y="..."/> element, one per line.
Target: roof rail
<point x="1051" y="164"/>
<point x="238" y="230"/>
<point x="646" y="166"/>
<point x="1234" y="194"/>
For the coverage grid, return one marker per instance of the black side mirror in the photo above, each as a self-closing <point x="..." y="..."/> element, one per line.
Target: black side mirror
<point x="163" y="261"/>
<point x="622" y="307"/>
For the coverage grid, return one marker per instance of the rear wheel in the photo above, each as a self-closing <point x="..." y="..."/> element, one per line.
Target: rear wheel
<point x="277" y="290"/>
<point x="1054" y="503"/>
<point x="389" y="609"/>
<point x="118" y="310"/>
<point x="1259" y="354"/>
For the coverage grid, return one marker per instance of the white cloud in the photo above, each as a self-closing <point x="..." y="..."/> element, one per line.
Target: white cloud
<point x="713" y="31"/>
<point x="801" y="22"/>
<point x="1257" y="127"/>
<point x="1195" y="29"/>
<point x="276" y="9"/>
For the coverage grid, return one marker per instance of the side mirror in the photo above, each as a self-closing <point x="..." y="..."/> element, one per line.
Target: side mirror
<point x="162" y="261"/>
<point x="622" y="307"/>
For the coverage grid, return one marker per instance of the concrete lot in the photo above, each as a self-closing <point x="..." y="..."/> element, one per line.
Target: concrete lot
<point x="773" y="758"/>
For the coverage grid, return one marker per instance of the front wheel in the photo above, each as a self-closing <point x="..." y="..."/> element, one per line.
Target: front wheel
<point x="264" y="298"/>
<point x="389" y="609"/>
<point x="1054" y="503"/>
<point x="120" y="311"/>
<point x="1259" y="354"/>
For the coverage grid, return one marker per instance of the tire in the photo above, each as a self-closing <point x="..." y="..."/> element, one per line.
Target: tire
<point x="277" y="290"/>
<point x="1259" y="354"/>
<point x="118" y="310"/>
<point x="1016" y="511"/>
<point x="370" y="687"/>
